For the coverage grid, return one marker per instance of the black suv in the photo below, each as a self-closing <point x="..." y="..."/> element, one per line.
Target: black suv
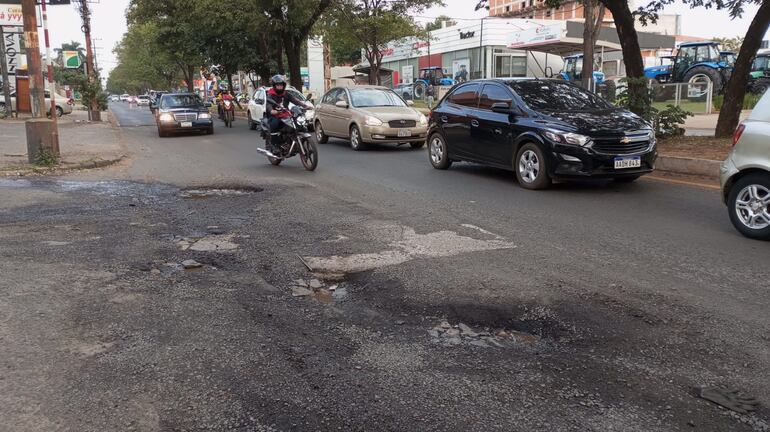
<point x="541" y="129"/>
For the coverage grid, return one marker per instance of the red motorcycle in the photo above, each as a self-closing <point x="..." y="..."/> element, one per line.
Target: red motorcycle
<point x="228" y="112"/>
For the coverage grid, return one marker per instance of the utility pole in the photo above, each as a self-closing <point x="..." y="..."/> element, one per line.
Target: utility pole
<point x="4" y="70"/>
<point x="52" y="89"/>
<point x="93" y="111"/>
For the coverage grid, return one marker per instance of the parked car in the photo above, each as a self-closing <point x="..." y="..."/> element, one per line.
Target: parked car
<point x="114" y="98"/>
<point x="745" y="174"/>
<point x="369" y="114"/>
<point x="543" y="130"/>
<point x="63" y="104"/>
<point x="182" y="112"/>
<point x="143" y="100"/>
<point x="256" y="108"/>
<point x="154" y="101"/>
<point x="124" y="97"/>
<point x="406" y="91"/>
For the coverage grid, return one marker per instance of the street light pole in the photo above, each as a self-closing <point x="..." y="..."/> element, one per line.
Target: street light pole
<point x="52" y="90"/>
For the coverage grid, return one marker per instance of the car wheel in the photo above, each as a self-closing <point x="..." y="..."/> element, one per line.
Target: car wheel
<point x="319" y="133"/>
<point x="749" y="206"/>
<point x="417" y="145"/>
<point x="252" y="125"/>
<point x="355" y="138"/>
<point x="162" y="133"/>
<point x="531" y="167"/>
<point x="626" y="179"/>
<point x="59" y="112"/>
<point x="437" y="151"/>
<point x="210" y="131"/>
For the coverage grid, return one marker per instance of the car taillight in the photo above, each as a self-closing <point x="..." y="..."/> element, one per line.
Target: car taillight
<point x="738" y="132"/>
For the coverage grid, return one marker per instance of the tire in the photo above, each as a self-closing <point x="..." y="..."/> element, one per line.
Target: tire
<point x="710" y="73"/>
<point x="531" y="167"/>
<point x="626" y="179"/>
<point x="252" y="125"/>
<point x="162" y="133"/>
<point x="210" y="131"/>
<point x="740" y="217"/>
<point x="230" y="119"/>
<point x="310" y="161"/>
<point x="760" y="86"/>
<point x="59" y="112"/>
<point x="419" y="90"/>
<point x="356" y="142"/>
<point x="417" y="145"/>
<point x="319" y="133"/>
<point x="438" y="153"/>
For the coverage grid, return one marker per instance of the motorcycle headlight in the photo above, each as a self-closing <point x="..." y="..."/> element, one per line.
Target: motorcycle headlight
<point x="373" y="121"/>
<point x="204" y="116"/>
<point x="423" y="119"/>
<point x="567" y="138"/>
<point x="166" y="117"/>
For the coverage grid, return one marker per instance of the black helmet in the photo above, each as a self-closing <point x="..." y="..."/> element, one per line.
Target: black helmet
<point x="277" y="79"/>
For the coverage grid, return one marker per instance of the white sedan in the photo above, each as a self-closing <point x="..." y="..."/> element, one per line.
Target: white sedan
<point x="257" y="108"/>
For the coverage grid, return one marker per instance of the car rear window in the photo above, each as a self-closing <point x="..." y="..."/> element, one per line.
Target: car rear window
<point x="466" y="95"/>
<point x="542" y="95"/>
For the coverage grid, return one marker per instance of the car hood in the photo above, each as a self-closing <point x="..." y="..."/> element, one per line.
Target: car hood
<point x="391" y="113"/>
<point x="184" y="109"/>
<point x="600" y="122"/>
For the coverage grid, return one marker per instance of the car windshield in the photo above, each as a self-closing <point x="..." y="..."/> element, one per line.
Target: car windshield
<point x="363" y="98"/>
<point x="557" y="96"/>
<point x="180" y="101"/>
<point x="296" y="94"/>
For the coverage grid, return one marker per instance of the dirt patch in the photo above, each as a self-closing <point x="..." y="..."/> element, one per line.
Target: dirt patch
<point x="699" y="147"/>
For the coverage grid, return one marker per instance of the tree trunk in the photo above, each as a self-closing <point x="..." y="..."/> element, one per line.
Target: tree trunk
<point x="632" y="53"/>
<point x="593" y="18"/>
<point x="188" y="76"/>
<point x="292" y="46"/>
<point x="729" y="115"/>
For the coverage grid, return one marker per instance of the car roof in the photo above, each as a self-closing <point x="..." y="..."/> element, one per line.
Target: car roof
<point x="367" y="86"/>
<point x="179" y="94"/>
<point x="704" y="42"/>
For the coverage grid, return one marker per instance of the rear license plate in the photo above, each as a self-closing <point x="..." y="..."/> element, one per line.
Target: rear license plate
<point x="628" y="162"/>
<point x="189" y="124"/>
<point x="404" y="133"/>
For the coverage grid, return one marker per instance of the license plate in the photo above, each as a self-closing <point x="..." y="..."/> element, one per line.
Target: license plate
<point x="628" y="162"/>
<point x="186" y="124"/>
<point x="404" y="133"/>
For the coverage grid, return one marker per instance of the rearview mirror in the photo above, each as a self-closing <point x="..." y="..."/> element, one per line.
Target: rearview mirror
<point x="410" y="102"/>
<point x="502" y="107"/>
<point x="341" y="104"/>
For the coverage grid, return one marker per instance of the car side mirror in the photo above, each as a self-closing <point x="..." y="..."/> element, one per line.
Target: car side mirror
<point x="410" y="102"/>
<point x="341" y="104"/>
<point x="502" y="107"/>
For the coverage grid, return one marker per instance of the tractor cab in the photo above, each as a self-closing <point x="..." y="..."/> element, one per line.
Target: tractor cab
<point x="573" y="70"/>
<point x="435" y="75"/>
<point x="759" y="77"/>
<point x="728" y="58"/>
<point x="696" y="63"/>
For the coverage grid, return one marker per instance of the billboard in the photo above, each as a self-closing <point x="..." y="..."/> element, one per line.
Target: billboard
<point x="533" y="36"/>
<point x="12" y="44"/>
<point x="71" y="59"/>
<point x="10" y="14"/>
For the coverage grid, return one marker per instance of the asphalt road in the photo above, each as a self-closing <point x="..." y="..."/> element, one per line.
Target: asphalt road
<point x="606" y="305"/>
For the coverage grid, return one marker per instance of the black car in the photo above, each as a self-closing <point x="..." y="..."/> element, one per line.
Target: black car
<point x="182" y="112"/>
<point x="154" y="100"/>
<point x="541" y="129"/>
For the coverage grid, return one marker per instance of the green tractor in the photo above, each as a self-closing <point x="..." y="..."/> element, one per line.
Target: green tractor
<point x="759" y="77"/>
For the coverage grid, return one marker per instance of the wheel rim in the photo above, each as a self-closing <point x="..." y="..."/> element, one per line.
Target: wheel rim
<point x="319" y="132"/>
<point x="354" y="137"/>
<point x="701" y="81"/>
<point x="529" y="166"/>
<point x="436" y="150"/>
<point x="752" y="206"/>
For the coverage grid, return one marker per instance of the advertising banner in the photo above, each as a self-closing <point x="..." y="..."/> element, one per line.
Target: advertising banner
<point x="12" y="44"/>
<point x="10" y="14"/>
<point x="460" y="69"/>
<point x="535" y="36"/>
<point x="407" y="74"/>
<point x="71" y="59"/>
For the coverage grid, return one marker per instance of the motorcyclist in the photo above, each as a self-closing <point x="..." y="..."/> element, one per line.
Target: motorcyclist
<point x="277" y="105"/>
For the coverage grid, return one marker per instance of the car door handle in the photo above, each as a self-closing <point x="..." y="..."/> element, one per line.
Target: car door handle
<point x="475" y="123"/>
<point x="498" y="131"/>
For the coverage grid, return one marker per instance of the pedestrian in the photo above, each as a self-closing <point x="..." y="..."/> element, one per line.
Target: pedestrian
<point x="429" y="92"/>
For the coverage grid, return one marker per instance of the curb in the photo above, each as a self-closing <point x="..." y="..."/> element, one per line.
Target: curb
<point x="64" y="167"/>
<point x="692" y="166"/>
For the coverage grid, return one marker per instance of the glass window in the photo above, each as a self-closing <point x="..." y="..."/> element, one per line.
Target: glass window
<point x="518" y="66"/>
<point x="707" y="53"/>
<point x="557" y="96"/>
<point x="465" y="95"/>
<point x="296" y="94"/>
<point x="760" y="63"/>
<point x="610" y="68"/>
<point x="375" y="98"/>
<point x="331" y="96"/>
<point x="687" y="53"/>
<point x="492" y="94"/>
<point x="180" y="101"/>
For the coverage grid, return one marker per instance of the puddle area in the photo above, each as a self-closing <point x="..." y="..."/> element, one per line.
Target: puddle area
<point x="319" y="291"/>
<point x="203" y="193"/>
<point x="460" y="334"/>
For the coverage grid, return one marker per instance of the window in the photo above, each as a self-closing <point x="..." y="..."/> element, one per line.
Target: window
<point x="492" y="94"/>
<point x="180" y="101"/>
<point x="331" y="96"/>
<point x="507" y="8"/>
<point x="610" y="68"/>
<point x="375" y="98"/>
<point x="531" y="3"/>
<point x="523" y="5"/>
<point x="259" y="97"/>
<point x="465" y="95"/>
<point x="557" y="96"/>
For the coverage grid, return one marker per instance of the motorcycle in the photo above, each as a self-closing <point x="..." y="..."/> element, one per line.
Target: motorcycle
<point x="228" y="112"/>
<point x="294" y="138"/>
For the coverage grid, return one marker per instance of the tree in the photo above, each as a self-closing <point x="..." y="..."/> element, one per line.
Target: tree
<point x="729" y="44"/>
<point x="293" y="21"/>
<point x="729" y="115"/>
<point x="594" y="17"/>
<point x="439" y="23"/>
<point x="375" y="23"/>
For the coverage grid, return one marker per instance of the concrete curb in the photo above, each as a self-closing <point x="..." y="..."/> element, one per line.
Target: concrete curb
<point x="64" y="167"/>
<point x="691" y="166"/>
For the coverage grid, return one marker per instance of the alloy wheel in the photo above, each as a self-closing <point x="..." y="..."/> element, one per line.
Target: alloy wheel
<point x="752" y="206"/>
<point x="529" y="166"/>
<point x="355" y="138"/>
<point x="436" y="150"/>
<point x="319" y="132"/>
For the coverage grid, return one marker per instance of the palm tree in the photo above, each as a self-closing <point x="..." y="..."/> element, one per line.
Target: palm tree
<point x="70" y="46"/>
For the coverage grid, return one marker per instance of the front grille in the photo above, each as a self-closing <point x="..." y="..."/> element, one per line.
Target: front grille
<point x="402" y="123"/>
<point x="183" y="117"/>
<point x="636" y="142"/>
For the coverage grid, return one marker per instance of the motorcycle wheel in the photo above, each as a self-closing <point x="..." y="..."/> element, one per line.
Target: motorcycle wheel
<point x="309" y="156"/>
<point x="230" y="118"/>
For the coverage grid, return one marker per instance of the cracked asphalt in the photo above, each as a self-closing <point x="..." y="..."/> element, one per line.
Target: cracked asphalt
<point x="589" y="307"/>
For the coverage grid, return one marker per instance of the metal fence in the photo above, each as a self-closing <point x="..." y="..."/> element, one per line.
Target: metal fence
<point x="694" y="97"/>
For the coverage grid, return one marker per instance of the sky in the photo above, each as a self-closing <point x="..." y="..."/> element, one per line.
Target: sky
<point x="109" y="23"/>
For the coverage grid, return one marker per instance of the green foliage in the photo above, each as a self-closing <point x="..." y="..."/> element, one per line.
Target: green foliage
<point x="438" y="22"/>
<point x="47" y="159"/>
<point x="749" y="101"/>
<point x="666" y="122"/>
<point x="142" y="62"/>
<point x="729" y="44"/>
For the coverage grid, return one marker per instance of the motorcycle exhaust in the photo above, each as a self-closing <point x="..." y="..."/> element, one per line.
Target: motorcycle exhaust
<point x="267" y="153"/>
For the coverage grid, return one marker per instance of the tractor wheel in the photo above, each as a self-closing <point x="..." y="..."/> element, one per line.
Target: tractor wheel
<point x="419" y="90"/>
<point x="704" y="75"/>
<point x="760" y="85"/>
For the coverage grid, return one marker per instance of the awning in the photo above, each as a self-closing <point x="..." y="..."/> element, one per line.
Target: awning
<point x="366" y="69"/>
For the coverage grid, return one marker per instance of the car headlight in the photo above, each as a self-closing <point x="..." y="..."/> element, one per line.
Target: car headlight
<point x="423" y="119"/>
<point x="567" y="138"/>
<point x="166" y="117"/>
<point x="204" y="116"/>
<point x="373" y="121"/>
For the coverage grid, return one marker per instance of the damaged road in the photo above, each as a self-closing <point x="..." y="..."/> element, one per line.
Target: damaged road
<point x="148" y="307"/>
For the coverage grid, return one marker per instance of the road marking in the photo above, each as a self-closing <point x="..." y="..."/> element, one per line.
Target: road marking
<point x="682" y="182"/>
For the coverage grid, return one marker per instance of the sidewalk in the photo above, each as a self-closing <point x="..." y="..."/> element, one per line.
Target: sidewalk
<point x="82" y="144"/>
<point x="705" y="124"/>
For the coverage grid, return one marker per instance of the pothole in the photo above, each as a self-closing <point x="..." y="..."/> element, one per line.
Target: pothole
<point x="209" y="192"/>
<point x="318" y="290"/>
<point x="207" y="243"/>
<point x="461" y="334"/>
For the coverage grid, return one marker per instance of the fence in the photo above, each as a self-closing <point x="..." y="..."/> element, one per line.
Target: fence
<point x="694" y="97"/>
